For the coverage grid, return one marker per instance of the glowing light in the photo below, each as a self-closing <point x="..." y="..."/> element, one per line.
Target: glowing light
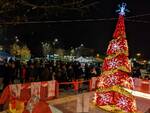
<point x="1" y="48"/>
<point x="115" y="47"/>
<point x="122" y="9"/>
<point x="101" y="84"/>
<point x="111" y="80"/>
<point x="138" y="54"/>
<point x="82" y="45"/>
<point x="104" y="98"/>
<point x="123" y="102"/>
<point x="56" y="40"/>
<point x="113" y="63"/>
<point x="139" y="94"/>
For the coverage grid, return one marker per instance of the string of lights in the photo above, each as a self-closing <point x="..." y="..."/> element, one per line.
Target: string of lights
<point x="9" y="6"/>
<point x="142" y="15"/>
<point x="138" y="21"/>
<point x="28" y="6"/>
<point x="61" y="21"/>
<point x="69" y="21"/>
<point x="130" y="17"/>
<point x="51" y="6"/>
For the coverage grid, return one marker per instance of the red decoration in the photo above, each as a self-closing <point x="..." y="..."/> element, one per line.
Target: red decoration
<point x="42" y="107"/>
<point x="120" y="28"/>
<point x="118" y="78"/>
<point x="115" y="75"/>
<point x="105" y="98"/>
<point x="13" y="103"/>
<point x="117" y="46"/>
<point x="116" y="62"/>
<point x="124" y="102"/>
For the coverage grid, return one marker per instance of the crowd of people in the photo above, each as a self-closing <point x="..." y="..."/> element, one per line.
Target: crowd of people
<point x="40" y="70"/>
<point x="17" y="72"/>
<point x="141" y="71"/>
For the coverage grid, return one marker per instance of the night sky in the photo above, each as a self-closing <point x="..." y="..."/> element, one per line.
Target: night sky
<point x="93" y="34"/>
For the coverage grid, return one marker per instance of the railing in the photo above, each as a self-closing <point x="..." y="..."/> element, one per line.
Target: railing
<point x="52" y="89"/>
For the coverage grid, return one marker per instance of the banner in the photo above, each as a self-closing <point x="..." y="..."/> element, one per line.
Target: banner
<point x="35" y="89"/>
<point x="93" y="82"/>
<point x="15" y="90"/>
<point x="51" y="88"/>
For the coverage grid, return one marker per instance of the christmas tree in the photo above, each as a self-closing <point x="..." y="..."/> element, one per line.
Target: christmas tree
<point x="111" y="94"/>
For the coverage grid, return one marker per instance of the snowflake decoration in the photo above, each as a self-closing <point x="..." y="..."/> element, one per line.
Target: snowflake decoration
<point x="105" y="98"/>
<point x="112" y="80"/>
<point x="115" y="47"/>
<point x="122" y="102"/>
<point x="113" y="63"/>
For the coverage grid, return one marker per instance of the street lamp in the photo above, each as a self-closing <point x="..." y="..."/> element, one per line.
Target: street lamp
<point x="81" y="45"/>
<point x="138" y="54"/>
<point x="56" y="40"/>
<point x="16" y="39"/>
<point x="1" y="47"/>
<point x="54" y="44"/>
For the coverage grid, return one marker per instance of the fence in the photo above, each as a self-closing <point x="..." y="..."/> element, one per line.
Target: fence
<point x="44" y="90"/>
<point x="51" y="89"/>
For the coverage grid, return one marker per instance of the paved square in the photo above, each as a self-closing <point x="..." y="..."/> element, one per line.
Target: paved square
<point x="70" y="104"/>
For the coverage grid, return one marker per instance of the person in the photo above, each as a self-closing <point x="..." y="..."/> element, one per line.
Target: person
<point x="70" y="73"/>
<point x="31" y="73"/>
<point x="87" y="72"/>
<point x="51" y="73"/>
<point x="23" y="73"/>
<point x="136" y="72"/>
<point x="79" y="72"/>
<point x="45" y="74"/>
<point x="13" y="72"/>
<point x="64" y="76"/>
<point x="1" y="76"/>
<point x="93" y="71"/>
<point x="7" y="77"/>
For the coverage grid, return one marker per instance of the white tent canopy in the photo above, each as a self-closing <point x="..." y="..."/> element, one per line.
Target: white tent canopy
<point x="82" y="59"/>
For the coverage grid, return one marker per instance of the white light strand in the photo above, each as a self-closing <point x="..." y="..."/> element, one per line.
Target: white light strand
<point x="139" y="94"/>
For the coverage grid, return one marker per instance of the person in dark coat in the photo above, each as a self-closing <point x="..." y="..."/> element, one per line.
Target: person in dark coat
<point x="70" y="73"/>
<point x="136" y="72"/>
<point x="7" y="77"/>
<point x="13" y="72"/>
<point x="1" y="76"/>
<point x="23" y="73"/>
<point x="45" y="74"/>
<point x="31" y="73"/>
<point x="87" y="72"/>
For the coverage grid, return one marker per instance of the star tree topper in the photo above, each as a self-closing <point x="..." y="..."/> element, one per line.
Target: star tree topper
<point x="122" y="9"/>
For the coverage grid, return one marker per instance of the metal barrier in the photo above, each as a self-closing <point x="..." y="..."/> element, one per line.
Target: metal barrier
<point x="76" y="85"/>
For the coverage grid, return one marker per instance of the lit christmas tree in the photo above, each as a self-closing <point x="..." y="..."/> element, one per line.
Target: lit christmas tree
<point x="111" y="94"/>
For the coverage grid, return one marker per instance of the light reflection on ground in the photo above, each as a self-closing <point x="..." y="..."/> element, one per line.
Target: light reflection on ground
<point x="71" y="104"/>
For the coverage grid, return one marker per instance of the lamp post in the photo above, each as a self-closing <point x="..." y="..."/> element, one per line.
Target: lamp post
<point x="138" y="54"/>
<point x="54" y="47"/>
<point x="1" y="48"/>
<point x="16" y="39"/>
<point x="81" y="45"/>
